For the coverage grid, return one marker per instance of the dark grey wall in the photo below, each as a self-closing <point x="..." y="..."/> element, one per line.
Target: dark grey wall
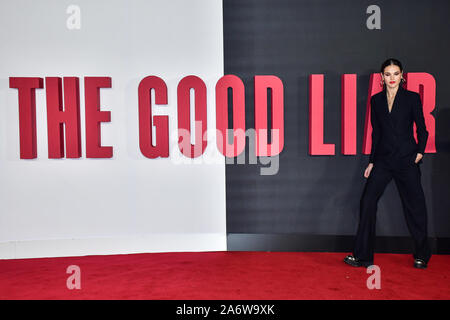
<point x="320" y="195"/>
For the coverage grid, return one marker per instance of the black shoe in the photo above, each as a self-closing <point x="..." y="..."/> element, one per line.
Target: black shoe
<point x="420" y="264"/>
<point x="355" y="262"/>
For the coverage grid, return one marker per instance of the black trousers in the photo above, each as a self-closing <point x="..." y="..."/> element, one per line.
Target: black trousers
<point x="407" y="177"/>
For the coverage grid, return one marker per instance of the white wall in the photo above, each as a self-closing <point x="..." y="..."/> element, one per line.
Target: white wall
<point x="129" y="203"/>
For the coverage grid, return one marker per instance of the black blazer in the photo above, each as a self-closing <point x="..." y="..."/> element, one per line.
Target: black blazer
<point x="392" y="133"/>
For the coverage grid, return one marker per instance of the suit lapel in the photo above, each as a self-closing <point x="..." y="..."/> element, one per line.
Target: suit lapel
<point x="395" y="106"/>
<point x="397" y="102"/>
<point x="385" y="108"/>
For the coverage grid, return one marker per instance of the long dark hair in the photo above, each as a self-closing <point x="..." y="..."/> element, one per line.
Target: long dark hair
<point x="390" y="61"/>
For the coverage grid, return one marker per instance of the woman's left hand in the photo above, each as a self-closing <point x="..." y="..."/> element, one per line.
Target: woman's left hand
<point x="419" y="157"/>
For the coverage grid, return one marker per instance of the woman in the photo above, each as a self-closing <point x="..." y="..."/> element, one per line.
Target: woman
<point x="394" y="155"/>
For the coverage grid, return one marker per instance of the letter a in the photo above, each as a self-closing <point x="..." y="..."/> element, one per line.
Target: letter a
<point x="74" y="281"/>
<point x="373" y="21"/>
<point x="74" y="20"/>
<point x="374" y="281"/>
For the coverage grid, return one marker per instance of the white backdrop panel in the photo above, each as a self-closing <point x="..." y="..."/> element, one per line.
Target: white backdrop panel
<point x="129" y="203"/>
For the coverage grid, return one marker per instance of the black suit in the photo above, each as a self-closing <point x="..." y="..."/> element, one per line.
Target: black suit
<point x="393" y="154"/>
<point x="393" y="132"/>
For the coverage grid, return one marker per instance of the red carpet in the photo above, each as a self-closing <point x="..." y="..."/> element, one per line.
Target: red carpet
<point x="223" y="276"/>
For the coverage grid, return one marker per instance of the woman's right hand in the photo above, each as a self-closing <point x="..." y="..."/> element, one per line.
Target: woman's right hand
<point x="368" y="170"/>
